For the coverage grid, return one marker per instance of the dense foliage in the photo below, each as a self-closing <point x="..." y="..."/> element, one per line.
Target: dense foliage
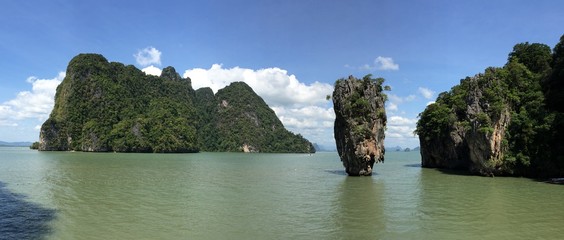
<point x="103" y="106"/>
<point x="531" y="80"/>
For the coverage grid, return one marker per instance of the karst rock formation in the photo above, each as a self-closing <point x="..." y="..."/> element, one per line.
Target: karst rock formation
<point x="360" y="122"/>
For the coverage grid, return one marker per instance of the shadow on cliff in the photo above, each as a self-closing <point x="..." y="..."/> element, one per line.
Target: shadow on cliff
<point x="20" y="219"/>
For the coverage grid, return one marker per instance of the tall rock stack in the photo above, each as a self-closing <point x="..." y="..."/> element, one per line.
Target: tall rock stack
<point x="360" y="121"/>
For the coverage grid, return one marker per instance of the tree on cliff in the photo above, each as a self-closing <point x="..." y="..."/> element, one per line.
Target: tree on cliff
<point x="536" y="56"/>
<point x="554" y="85"/>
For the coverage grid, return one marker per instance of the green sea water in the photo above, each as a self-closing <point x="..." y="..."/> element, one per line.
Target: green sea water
<point x="73" y="195"/>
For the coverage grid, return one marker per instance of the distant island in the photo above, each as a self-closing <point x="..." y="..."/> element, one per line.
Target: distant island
<point x="106" y="106"/>
<point x="506" y="121"/>
<point x="15" y="144"/>
<point x="401" y="149"/>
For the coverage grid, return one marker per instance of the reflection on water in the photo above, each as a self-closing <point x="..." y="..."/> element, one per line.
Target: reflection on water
<point x="20" y="219"/>
<point x="358" y="211"/>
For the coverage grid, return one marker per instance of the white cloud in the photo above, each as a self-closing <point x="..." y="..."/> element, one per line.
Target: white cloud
<point x="385" y="63"/>
<point x="400" y="121"/>
<point x="426" y="93"/>
<point x="392" y="106"/>
<point x="305" y="117"/>
<point x="275" y="85"/>
<point x="152" y="70"/>
<point x="34" y="104"/>
<point x="380" y="63"/>
<point x="148" y="56"/>
<point x="301" y="107"/>
<point x="400" y="127"/>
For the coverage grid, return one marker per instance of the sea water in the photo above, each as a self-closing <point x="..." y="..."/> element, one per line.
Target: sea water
<point x="75" y="195"/>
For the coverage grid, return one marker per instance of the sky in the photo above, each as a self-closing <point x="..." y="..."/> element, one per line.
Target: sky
<point x="290" y="52"/>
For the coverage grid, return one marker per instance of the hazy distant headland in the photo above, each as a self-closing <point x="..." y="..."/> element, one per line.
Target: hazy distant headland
<point x="15" y="144"/>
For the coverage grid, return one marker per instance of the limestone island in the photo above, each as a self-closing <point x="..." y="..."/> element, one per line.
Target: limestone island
<point x="106" y="106"/>
<point x="506" y="121"/>
<point x="360" y="122"/>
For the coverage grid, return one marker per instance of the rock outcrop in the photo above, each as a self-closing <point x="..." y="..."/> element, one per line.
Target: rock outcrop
<point x="360" y="122"/>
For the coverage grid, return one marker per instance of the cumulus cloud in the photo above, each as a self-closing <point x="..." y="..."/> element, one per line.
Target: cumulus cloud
<point x="305" y="117"/>
<point x="34" y="104"/>
<point x="380" y="63"/>
<point x="148" y="56"/>
<point x="400" y="127"/>
<point x="301" y="107"/>
<point x="385" y="63"/>
<point x="426" y="93"/>
<point x="275" y="85"/>
<point x="152" y="70"/>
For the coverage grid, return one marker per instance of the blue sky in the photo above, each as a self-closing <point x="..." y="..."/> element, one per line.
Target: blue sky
<point x="290" y="52"/>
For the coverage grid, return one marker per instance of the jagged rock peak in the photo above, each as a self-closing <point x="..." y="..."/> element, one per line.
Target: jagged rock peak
<point x="170" y="73"/>
<point x="360" y="122"/>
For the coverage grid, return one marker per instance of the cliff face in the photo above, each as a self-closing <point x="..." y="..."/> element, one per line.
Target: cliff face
<point x="470" y="139"/>
<point x="102" y="106"/>
<point x="360" y="122"/>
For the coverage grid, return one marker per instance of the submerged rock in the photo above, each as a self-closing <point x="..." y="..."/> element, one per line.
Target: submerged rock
<point x="360" y="121"/>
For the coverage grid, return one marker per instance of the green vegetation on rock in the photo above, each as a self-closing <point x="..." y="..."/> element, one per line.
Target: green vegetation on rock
<point x="103" y="106"/>
<point x="500" y="121"/>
